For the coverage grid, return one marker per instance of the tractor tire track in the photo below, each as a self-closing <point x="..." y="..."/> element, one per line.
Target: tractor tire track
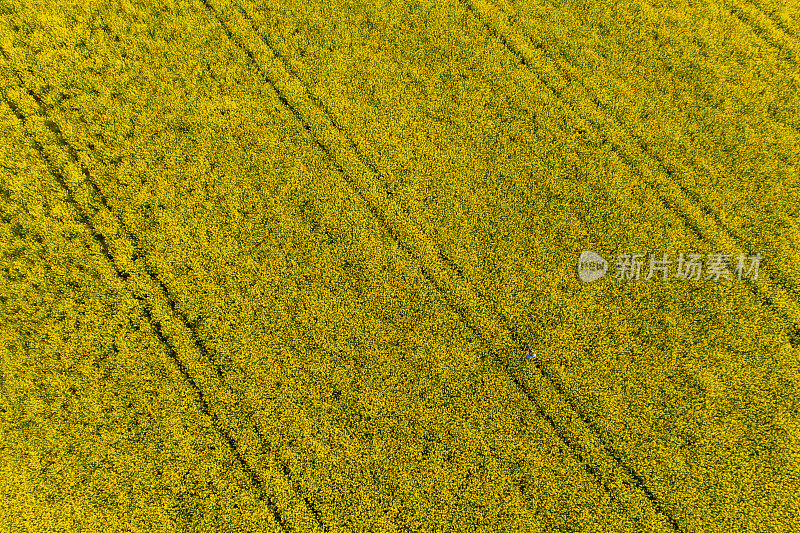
<point x="298" y="86"/>
<point x="786" y="307"/>
<point x="686" y="219"/>
<point x="124" y="274"/>
<point x="778" y="21"/>
<point x="777" y="276"/>
<point x="147" y="309"/>
<point x="765" y="33"/>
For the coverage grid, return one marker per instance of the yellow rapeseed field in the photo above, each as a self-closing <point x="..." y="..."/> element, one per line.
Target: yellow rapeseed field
<point x="403" y="265"/>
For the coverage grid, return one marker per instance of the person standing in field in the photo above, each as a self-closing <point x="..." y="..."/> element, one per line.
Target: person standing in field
<point x="530" y="354"/>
